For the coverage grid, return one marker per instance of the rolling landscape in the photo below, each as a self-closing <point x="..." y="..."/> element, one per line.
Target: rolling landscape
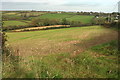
<point x="60" y="44"/>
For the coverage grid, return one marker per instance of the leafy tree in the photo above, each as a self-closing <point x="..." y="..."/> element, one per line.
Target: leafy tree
<point x="98" y="21"/>
<point x="64" y="21"/>
<point x="37" y="22"/>
<point x="75" y="23"/>
<point x="3" y="40"/>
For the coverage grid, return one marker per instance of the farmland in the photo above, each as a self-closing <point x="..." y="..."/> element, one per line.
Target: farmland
<point x="55" y="16"/>
<point x="64" y="53"/>
<point x="28" y="17"/>
<point x="69" y="17"/>
<point x="83" y="19"/>
<point x="14" y="23"/>
<point x="17" y="18"/>
<point x="44" y="44"/>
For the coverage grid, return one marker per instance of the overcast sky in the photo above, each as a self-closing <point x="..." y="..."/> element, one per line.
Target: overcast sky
<point x="61" y="5"/>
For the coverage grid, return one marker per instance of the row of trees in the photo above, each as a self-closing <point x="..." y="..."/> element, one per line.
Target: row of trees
<point x="44" y="22"/>
<point x="20" y="15"/>
<point x="7" y="28"/>
<point x="37" y="22"/>
<point x="47" y="22"/>
<point x="112" y="24"/>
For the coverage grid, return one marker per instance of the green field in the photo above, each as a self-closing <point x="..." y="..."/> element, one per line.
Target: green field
<point x="81" y="18"/>
<point x="69" y="17"/>
<point x="19" y="18"/>
<point x="11" y="15"/>
<point x="18" y="14"/>
<point x="51" y="16"/>
<point x="55" y="16"/>
<point x="64" y="53"/>
<point x="14" y="23"/>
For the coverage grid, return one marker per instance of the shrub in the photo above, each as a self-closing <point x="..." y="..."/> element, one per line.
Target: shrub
<point x="75" y="23"/>
<point x="112" y="24"/>
<point x="64" y="22"/>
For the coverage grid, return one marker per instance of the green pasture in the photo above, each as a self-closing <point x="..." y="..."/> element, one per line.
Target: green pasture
<point x="81" y="18"/>
<point x="51" y="16"/>
<point x="69" y="17"/>
<point x="55" y="16"/>
<point x="14" y="23"/>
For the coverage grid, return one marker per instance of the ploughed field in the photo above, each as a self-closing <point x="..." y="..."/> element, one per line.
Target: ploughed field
<point x="80" y="52"/>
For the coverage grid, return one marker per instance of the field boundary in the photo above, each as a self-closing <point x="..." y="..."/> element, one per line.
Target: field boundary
<point x="41" y="28"/>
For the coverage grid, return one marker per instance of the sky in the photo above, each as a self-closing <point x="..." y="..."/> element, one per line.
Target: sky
<point x="61" y="5"/>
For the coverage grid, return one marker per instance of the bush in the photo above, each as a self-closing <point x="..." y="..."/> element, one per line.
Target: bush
<point x="64" y="22"/>
<point x="75" y="23"/>
<point x="98" y="21"/>
<point x="44" y="22"/>
<point x="4" y="47"/>
<point x="112" y="24"/>
<point x="54" y="28"/>
<point x="7" y="28"/>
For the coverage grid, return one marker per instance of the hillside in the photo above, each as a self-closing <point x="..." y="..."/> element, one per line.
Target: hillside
<point x="78" y="52"/>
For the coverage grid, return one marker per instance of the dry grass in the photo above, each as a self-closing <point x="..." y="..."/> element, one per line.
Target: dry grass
<point x="61" y="53"/>
<point x="74" y="40"/>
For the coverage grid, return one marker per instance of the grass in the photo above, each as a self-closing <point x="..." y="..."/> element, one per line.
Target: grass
<point x="64" y="65"/>
<point x="63" y="53"/>
<point x="11" y="15"/>
<point x="81" y="18"/>
<point x="55" y="16"/>
<point x="74" y="33"/>
<point x="70" y="17"/>
<point x="51" y="16"/>
<point x="17" y="15"/>
<point x="108" y="49"/>
<point x="14" y="23"/>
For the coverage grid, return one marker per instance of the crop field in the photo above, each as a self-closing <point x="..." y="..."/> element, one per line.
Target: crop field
<point x="14" y="23"/>
<point x="77" y="52"/>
